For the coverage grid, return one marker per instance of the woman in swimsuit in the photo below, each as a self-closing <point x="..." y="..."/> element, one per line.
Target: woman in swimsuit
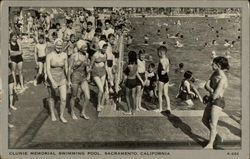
<point x="163" y="70"/>
<point x="16" y="58"/>
<point x="57" y="69"/>
<point x="78" y="76"/>
<point x="216" y="86"/>
<point x="98" y="67"/>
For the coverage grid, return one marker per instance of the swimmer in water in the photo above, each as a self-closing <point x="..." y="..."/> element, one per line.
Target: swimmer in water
<point x="146" y="38"/>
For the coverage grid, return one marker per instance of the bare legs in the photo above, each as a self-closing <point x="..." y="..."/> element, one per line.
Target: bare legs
<point x="100" y="81"/>
<point x="163" y="89"/>
<point x="41" y="70"/>
<point x="85" y="88"/>
<point x="139" y="92"/>
<point x="19" y="67"/>
<point x="211" y="123"/>
<point x="62" y="92"/>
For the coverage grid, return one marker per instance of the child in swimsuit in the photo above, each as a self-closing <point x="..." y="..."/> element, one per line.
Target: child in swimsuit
<point x="16" y="58"/>
<point x="150" y="84"/>
<point x="130" y="80"/>
<point x="98" y="67"/>
<point x="141" y="79"/>
<point x="40" y="58"/>
<point x="163" y="70"/>
<point x="187" y="92"/>
<point x="216" y="86"/>
<point x="70" y="47"/>
<point x="78" y="76"/>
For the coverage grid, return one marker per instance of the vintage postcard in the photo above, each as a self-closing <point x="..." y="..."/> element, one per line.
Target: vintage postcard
<point x="124" y="79"/>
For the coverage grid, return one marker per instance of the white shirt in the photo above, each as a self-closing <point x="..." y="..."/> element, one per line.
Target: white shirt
<point x="108" y="31"/>
<point x="141" y="66"/>
<point x="89" y="35"/>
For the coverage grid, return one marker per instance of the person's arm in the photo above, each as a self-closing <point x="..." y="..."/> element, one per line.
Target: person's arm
<point x="88" y="68"/>
<point x="54" y="84"/>
<point x="66" y="64"/>
<point x="187" y="85"/>
<point x="165" y="67"/>
<point x="125" y="76"/>
<point x="219" y="88"/>
<point x="139" y="77"/>
<point x="92" y="61"/>
<point x="197" y="92"/>
<point x="71" y="63"/>
<point x="179" y="91"/>
<point x="36" y="55"/>
<point x="208" y="88"/>
<point x="66" y="47"/>
<point x="20" y="47"/>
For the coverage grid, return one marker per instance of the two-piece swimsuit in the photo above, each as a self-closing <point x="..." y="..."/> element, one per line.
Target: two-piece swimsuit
<point x="15" y="58"/>
<point x="99" y="71"/>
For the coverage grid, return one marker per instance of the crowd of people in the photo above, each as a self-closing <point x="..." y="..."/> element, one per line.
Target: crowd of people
<point x="69" y="58"/>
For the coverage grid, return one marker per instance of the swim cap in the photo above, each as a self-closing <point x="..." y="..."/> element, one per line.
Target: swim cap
<point x="58" y="42"/>
<point x="81" y="43"/>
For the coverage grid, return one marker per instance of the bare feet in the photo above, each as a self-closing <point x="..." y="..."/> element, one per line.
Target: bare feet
<point x="13" y="107"/>
<point x="63" y="119"/>
<point x="53" y="118"/>
<point x="209" y="146"/>
<point x="83" y="115"/>
<point x="35" y="82"/>
<point x="74" y="117"/>
<point x="10" y="125"/>
<point x="143" y="109"/>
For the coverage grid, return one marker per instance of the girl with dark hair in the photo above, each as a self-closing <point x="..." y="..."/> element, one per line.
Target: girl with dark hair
<point x="216" y="86"/>
<point x="187" y="91"/>
<point x="130" y="78"/>
<point x="16" y="58"/>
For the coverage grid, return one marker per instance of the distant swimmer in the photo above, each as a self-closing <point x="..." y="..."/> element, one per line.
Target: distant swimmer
<point x="158" y="32"/>
<point x="179" y="22"/>
<point x="178" y="44"/>
<point x="165" y="24"/>
<point x="175" y="36"/>
<point x="214" y="42"/>
<point x="146" y="38"/>
<point x="227" y="44"/>
<point x="232" y="44"/>
<point x="205" y="44"/>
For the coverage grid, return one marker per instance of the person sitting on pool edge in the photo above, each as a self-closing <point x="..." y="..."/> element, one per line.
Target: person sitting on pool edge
<point x="187" y="92"/>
